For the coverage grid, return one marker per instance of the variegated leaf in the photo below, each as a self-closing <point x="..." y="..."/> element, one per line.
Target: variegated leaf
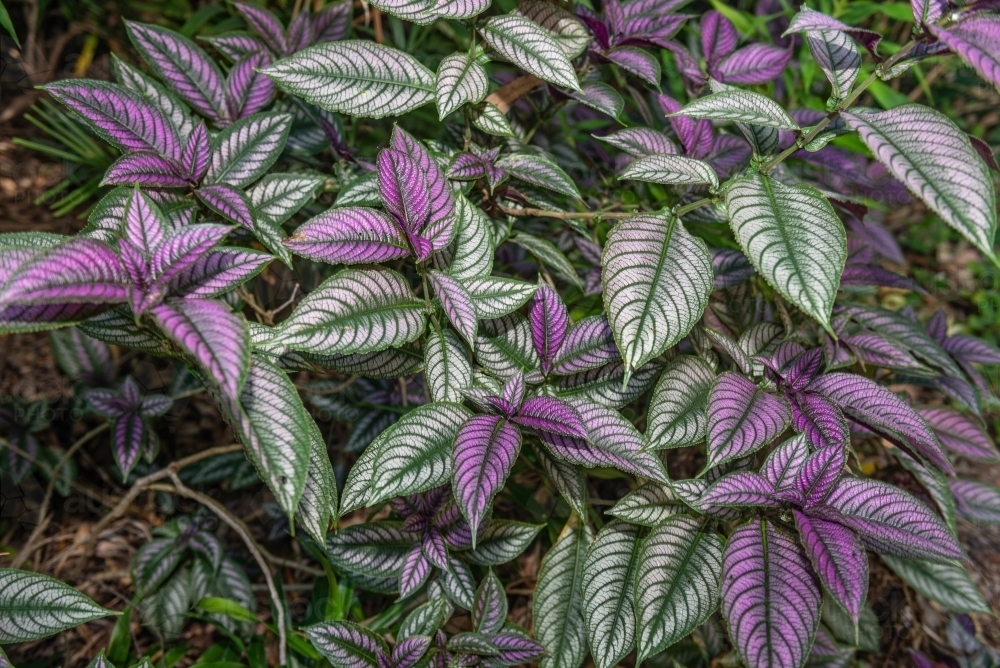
<point x="946" y="583"/>
<point x="670" y="169"/>
<point x="936" y="163"/>
<point x="793" y="237"/>
<point x="473" y="246"/>
<point x="277" y="197"/>
<point x="678" y="582"/>
<point x="657" y="279"/>
<point x="677" y="409"/>
<point x="355" y="311"/>
<point x="609" y="578"/>
<point x="557" y="604"/>
<point x="415" y="453"/>
<point x="34" y="606"/>
<point x="740" y="106"/>
<point x="460" y="80"/>
<point x="318" y="503"/>
<point x="446" y="366"/>
<point x="530" y="47"/>
<point x="502" y="542"/>
<point x="495" y="296"/>
<point x="274" y="428"/>
<point x="538" y="170"/>
<point x="356" y="77"/>
<point x="566" y="28"/>
<point x="650" y="505"/>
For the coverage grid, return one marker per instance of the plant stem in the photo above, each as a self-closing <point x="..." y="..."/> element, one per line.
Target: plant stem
<point x="567" y="215"/>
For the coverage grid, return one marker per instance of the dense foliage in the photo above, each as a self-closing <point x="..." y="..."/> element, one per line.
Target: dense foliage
<point x="495" y="288"/>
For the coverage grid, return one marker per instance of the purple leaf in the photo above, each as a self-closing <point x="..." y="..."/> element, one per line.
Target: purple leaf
<point x="78" y="270"/>
<point x="877" y="237"/>
<point x="229" y="202"/>
<point x="490" y="610"/>
<point x="783" y="465"/>
<point x="744" y="488"/>
<point x="961" y="434"/>
<point x="819" y="472"/>
<point x="349" y="235"/>
<point x="969" y="349"/>
<point x="801" y="369"/>
<point x="408" y="651"/>
<point x="867" y="402"/>
<point x="549" y="321"/>
<point x="143" y="224"/>
<point x="742" y="418"/>
<point x="184" y="66"/>
<point x="247" y="89"/>
<point x="120" y="116"/>
<point x="889" y="520"/>
<point x="872" y="348"/>
<point x="589" y="344"/>
<point x="718" y="37"/>
<point x="485" y="449"/>
<point x="855" y="274"/>
<point x="416" y="569"/>
<point x="753" y="64"/>
<point x="516" y="648"/>
<point x="612" y="441"/>
<point x="821" y="421"/>
<point x="976" y="501"/>
<point x="696" y="135"/>
<point x="403" y="189"/>
<point x="129" y="436"/>
<point x="214" y="337"/>
<point x="770" y="598"/>
<point x="974" y="39"/>
<point x="236" y="45"/>
<point x="730" y="267"/>
<point x="435" y="548"/>
<point x="183" y="248"/>
<point x="985" y="152"/>
<point x="551" y="415"/>
<point x="639" y="62"/>
<point x="267" y="25"/>
<point x="217" y="272"/>
<point x="440" y="223"/>
<point x="808" y="20"/>
<point x="145" y="168"/>
<point x="457" y="304"/>
<point x="838" y="558"/>
<point x="300" y="32"/>
<point x="333" y="22"/>
<point x="513" y="392"/>
<point x="194" y="159"/>
<point x="926" y="12"/>
<point x="640" y="142"/>
<point x="466" y="167"/>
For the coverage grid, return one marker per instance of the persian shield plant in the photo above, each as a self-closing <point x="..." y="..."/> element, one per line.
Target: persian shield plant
<point x="595" y="288"/>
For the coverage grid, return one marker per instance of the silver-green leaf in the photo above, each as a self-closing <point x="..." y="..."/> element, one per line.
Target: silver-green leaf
<point x="793" y="237"/>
